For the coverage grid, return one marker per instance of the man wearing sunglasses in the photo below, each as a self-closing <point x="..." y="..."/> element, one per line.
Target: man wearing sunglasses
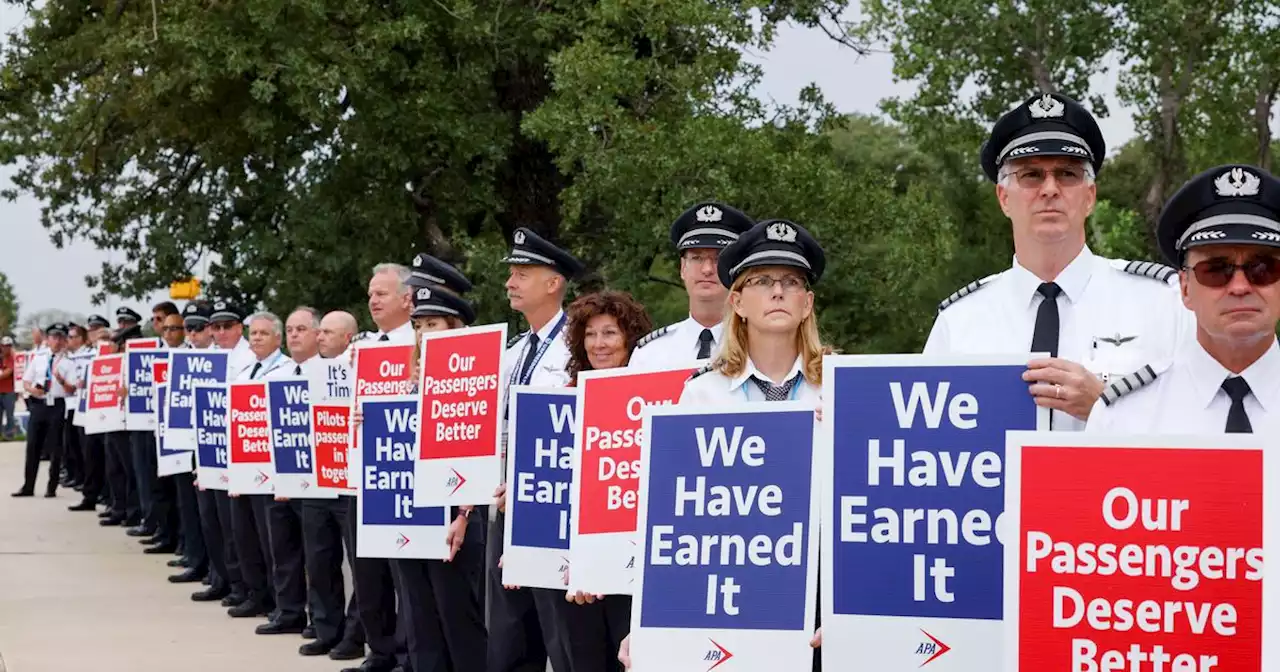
<point x="1223" y="230"/>
<point x="1095" y="318"/>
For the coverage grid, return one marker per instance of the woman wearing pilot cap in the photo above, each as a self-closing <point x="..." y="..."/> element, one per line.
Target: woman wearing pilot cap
<point x="771" y="351"/>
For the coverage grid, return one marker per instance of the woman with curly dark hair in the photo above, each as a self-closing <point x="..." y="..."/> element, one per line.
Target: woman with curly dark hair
<point x="602" y="333"/>
<point x="603" y="330"/>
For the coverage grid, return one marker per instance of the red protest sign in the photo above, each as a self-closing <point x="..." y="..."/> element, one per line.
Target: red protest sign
<point x="249" y="469"/>
<point x="608" y="438"/>
<point x="1134" y="555"/>
<point x="141" y="344"/>
<point x="382" y="370"/>
<point x="105" y="373"/>
<point x="330" y="434"/>
<point x="160" y="371"/>
<point x="104" y="348"/>
<point x="459" y="453"/>
<point x="19" y="367"/>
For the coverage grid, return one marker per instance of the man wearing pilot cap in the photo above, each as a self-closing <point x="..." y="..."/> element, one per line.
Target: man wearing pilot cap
<point x="1222" y="230"/>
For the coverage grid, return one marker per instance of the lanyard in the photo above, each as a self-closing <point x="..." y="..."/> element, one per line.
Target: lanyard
<point x="268" y="366"/>
<point x="537" y="356"/>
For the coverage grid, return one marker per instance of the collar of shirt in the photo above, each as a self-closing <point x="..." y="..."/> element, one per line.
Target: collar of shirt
<point x="242" y="344"/>
<point x="268" y="358"/>
<point x="696" y="328"/>
<point x="401" y="334"/>
<point x="545" y="331"/>
<point x="750" y="370"/>
<point x="311" y="360"/>
<point x="1073" y="279"/>
<point x="1207" y="375"/>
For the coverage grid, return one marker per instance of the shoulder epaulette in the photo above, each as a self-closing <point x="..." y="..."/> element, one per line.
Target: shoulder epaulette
<point x="653" y="335"/>
<point x="701" y="371"/>
<point x="1130" y="383"/>
<point x="1146" y="269"/>
<point x="516" y="339"/>
<point x="965" y="291"/>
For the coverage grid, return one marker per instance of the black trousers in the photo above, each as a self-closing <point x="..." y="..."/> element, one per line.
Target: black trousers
<point x="44" y="434"/>
<point x="124" y="487"/>
<point x="324" y="528"/>
<point x="375" y="597"/>
<point x="214" y="543"/>
<point x="194" y="547"/>
<point x="230" y="549"/>
<point x="145" y="468"/>
<point x="253" y="545"/>
<point x="288" y="567"/>
<point x="598" y="630"/>
<point x="440" y="611"/>
<point x="519" y="640"/>
<point x="72" y="450"/>
<point x="95" y="453"/>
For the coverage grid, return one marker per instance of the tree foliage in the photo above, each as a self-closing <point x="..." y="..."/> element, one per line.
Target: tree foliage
<point x="8" y="305"/>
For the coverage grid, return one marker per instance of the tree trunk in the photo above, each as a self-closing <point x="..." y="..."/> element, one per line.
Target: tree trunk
<point x="1262" y="117"/>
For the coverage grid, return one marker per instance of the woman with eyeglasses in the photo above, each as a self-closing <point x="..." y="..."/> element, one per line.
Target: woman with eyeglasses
<point x="603" y="330"/>
<point x="439" y="609"/>
<point x="772" y="350"/>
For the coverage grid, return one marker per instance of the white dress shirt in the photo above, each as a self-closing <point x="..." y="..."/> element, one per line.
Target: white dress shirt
<point x="240" y="359"/>
<point x="1110" y="321"/>
<point x="552" y="369"/>
<point x="270" y="363"/>
<point x="714" y="388"/>
<point x="1187" y="398"/>
<point x="674" y="346"/>
<point x="40" y="369"/>
<point x="290" y="368"/>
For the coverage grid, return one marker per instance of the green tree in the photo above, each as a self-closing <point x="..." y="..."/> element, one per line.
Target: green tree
<point x="8" y="305"/>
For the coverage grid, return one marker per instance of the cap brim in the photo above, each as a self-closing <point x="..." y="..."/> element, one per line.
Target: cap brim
<point x="1234" y="234"/>
<point x="1049" y="147"/>
<point x="769" y="260"/>
<point x="709" y="241"/>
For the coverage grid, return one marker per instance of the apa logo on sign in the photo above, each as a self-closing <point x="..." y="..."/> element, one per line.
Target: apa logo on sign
<point x="932" y="647"/>
<point x="455" y="481"/>
<point x="717" y="656"/>
<point x="261" y="478"/>
<point x="401" y="541"/>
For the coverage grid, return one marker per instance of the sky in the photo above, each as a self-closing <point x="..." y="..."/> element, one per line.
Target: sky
<point x="45" y="277"/>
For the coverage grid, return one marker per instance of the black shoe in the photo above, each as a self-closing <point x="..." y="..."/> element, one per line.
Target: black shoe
<point x="83" y="506"/>
<point x="233" y="599"/>
<point x="347" y="650"/>
<point x="133" y="522"/>
<point x="274" y="627"/>
<point x="151" y="541"/>
<point x="315" y="648"/>
<point x="162" y="548"/>
<point x="248" y="609"/>
<point x="373" y="665"/>
<point x="206" y="580"/>
<point x="24" y="493"/>
<point x="309" y="632"/>
<point x="106" y="513"/>
<point x="50" y="494"/>
<point x="141" y="531"/>
<point x="211" y="594"/>
<point x="111" y="521"/>
<point x="177" y="562"/>
<point x="193" y="575"/>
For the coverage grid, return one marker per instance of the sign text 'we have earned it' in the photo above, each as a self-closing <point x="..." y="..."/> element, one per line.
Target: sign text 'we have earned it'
<point x="189" y="368"/>
<point x="539" y="475"/>
<point x="140" y="402"/>
<point x="460" y="446"/>
<point x="728" y="512"/>
<point x="212" y="437"/>
<point x="912" y="551"/>
<point x="1140" y="553"/>
<point x="289" y="421"/>
<point x="380" y="369"/>
<point x="388" y="523"/>
<point x="606" y="472"/>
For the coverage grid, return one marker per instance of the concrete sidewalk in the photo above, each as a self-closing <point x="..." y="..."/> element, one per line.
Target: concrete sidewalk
<point x="77" y="596"/>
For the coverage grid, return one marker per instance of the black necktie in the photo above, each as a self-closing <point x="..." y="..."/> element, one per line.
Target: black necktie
<point x="297" y="369"/>
<point x="775" y="392"/>
<point x="704" y="344"/>
<point x="384" y="337"/>
<point x="528" y="359"/>
<point x="254" y="373"/>
<point x="1237" y="420"/>
<point x="1045" y="337"/>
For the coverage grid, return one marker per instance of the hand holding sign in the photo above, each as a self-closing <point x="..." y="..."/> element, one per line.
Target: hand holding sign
<point x="1063" y="385"/>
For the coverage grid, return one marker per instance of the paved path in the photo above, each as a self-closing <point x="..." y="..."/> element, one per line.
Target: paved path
<point x="76" y="596"/>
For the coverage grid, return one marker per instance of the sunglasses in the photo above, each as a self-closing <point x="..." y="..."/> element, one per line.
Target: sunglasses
<point x="195" y="328"/>
<point x="1260" y="271"/>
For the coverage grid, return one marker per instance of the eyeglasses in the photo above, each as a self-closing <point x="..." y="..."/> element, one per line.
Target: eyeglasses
<point x="701" y="257"/>
<point x="171" y="329"/>
<point x="224" y="326"/>
<point x="196" y="328"/>
<point x="1033" y="178"/>
<point x="1260" y="271"/>
<point x="790" y="283"/>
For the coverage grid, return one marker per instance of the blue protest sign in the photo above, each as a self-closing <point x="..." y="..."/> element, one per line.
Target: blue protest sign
<point x="82" y="394"/>
<point x="916" y="500"/>
<point x="140" y="403"/>
<point x="168" y="461"/>
<point x="728" y="521"/>
<point x="388" y="524"/>
<point x="211" y="402"/>
<point x="539" y="476"/>
<point x="188" y="368"/>
<point x="289" y="419"/>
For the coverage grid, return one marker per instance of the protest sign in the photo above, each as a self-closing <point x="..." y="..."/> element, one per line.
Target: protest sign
<point x="142" y="344"/>
<point x="332" y="382"/>
<point x="20" y="360"/>
<point x="389" y="525"/>
<point x="140" y="407"/>
<point x="379" y="370"/>
<point x="539" y="476"/>
<point x="459" y="449"/>
<point x="103" y="348"/>
<point x="210" y="414"/>
<point x="330" y="437"/>
<point x="916" y="496"/>
<point x="81" y="407"/>
<point x="1139" y="553"/>
<point x="289" y="413"/>
<point x="606" y="472"/>
<point x="169" y="462"/>
<point x="249" y="469"/>
<point x="105" y="405"/>
<point x="189" y="368"/>
<point x="729" y="506"/>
